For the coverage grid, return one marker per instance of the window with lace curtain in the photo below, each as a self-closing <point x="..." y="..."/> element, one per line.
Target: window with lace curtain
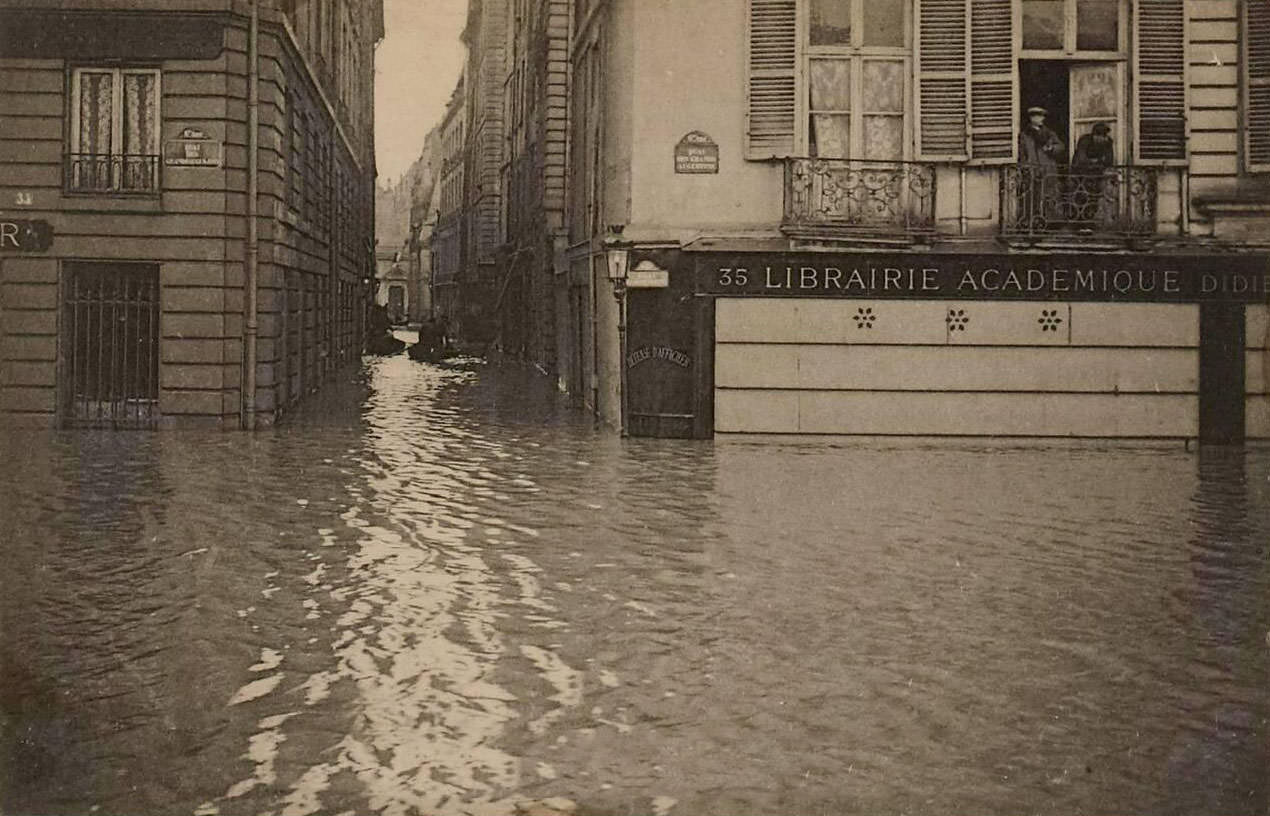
<point x="114" y="133"/>
<point x="857" y="61"/>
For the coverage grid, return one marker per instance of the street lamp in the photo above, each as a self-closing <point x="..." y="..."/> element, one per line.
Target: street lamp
<point x="619" y="261"/>
<point x="619" y="265"/>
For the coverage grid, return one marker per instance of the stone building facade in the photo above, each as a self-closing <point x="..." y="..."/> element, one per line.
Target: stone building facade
<point x="535" y="139"/>
<point x="482" y="280"/>
<point x="819" y="217"/>
<point x="447" y="243"/>
<point x="1029" y="218"/>
<point x="127" y="158"/>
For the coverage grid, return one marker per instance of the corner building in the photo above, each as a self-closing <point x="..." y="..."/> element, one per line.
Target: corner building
<point x="829" y="226"/>
<point x="126" y="162"/>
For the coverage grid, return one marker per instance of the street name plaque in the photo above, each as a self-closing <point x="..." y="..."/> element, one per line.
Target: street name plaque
<point x="192" y="148"/>
<point x="696" y="153"/>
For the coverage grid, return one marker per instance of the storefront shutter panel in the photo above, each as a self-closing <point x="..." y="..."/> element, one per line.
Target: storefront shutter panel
<point x="773" y="46"/>
<point x="1160" y="61"/>
<point x="941" y="78"/>
<point x="1257" y="85"/>
<point x="993" y="81"/>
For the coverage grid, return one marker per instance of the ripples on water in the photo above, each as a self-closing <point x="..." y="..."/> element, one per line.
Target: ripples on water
<point x="435" y="590"/>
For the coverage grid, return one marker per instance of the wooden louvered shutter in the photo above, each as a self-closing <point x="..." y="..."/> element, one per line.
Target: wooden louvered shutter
<point x="771" y="120"/>
<point x="1160" y="85"/>
<point x="1257" y="86"/>
<point x="993" y="82"/>
<point x="941" y="80"/>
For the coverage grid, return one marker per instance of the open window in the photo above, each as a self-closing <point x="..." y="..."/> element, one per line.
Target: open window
<point x="1076" y="96"/>
<point x="812" y="62"/>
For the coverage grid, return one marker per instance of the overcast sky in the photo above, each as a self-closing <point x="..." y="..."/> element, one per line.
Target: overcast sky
<point x="416" y="67"/>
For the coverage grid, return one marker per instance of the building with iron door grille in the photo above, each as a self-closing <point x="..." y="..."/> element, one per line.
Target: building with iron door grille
<point x="110" y="333"/>
<point x="126" y="143"/>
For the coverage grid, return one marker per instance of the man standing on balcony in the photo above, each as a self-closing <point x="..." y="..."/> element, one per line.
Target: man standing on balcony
<point x="1039" y="149"/>
<point x="1093" y="157"/>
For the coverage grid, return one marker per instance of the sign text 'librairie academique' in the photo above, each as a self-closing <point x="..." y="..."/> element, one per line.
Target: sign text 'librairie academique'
<point x="1225" y="278"/>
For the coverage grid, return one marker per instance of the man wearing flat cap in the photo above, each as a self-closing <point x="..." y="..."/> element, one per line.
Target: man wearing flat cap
<point x="1093" y="157"/>
<point x="1039" y="150"/>
<point x="1038" y="145"/>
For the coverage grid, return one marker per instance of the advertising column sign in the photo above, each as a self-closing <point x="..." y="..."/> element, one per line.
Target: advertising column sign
<point x="696" y="153"/>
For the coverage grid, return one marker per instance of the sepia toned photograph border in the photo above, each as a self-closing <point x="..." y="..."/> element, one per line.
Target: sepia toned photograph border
<point x="595" y="407"/>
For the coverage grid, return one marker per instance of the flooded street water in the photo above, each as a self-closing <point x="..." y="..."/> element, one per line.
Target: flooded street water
<point x="435" y="590"/>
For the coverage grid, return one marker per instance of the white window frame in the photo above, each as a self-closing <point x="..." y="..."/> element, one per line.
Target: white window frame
<point x="117" y="107"/>
<point x="1069" y="50"/>
<point x="116" y="115"/>
<point x="856" y="54"/>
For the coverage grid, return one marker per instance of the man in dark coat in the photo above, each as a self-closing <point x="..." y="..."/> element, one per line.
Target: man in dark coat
<point x="1093" y="157"/>
<point x="379" y="339"/>
<point x="1039" y="146"/>
<point x="431" y="343"/>
<point x="1039" y="149"/>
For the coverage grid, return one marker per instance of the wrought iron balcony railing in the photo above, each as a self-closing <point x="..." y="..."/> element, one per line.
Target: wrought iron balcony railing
<point x="1117" y="202"/>
<point x="107" y="173"/>
<point x="859" y="196"/>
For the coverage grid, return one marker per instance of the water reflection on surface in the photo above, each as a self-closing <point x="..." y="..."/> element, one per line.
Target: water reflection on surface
<point x="435" y="590"/>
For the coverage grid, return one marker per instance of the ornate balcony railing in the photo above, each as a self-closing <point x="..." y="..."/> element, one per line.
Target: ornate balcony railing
<point x="1118" y="202"/>
<point x="859" y="196"/>
<point x="106" y="173"/>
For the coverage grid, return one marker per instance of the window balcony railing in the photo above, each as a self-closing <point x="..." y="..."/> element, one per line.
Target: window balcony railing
<point x="1119" y="202"/>
<point x="107" y="173"/>
<point x="859" y="197"/>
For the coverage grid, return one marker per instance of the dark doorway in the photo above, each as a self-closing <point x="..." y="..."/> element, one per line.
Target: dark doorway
<point x="1046" y="84"/>
<point x="1221" y="373"/>
<point x="111" y="331"/>
<point x="660" y="360"/>
<point x="397" y="304"/>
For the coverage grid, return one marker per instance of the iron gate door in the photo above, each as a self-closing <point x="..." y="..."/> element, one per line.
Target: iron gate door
<point x="111" y="330"/>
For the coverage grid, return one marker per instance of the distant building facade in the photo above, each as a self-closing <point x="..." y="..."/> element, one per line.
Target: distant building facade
<point x="482" y="281"/>
<point x="425" y="204"/>
<point x="448" y="246"/>
<point x="392" y="286"/>
<point x="392" y="229"/>
<point x="126" y="164"/>
<point x="535" y="147"/>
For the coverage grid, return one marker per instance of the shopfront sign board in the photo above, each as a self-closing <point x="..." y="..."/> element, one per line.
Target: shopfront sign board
<point x="23" y="235"/>
<point x="1219" y="278"/>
